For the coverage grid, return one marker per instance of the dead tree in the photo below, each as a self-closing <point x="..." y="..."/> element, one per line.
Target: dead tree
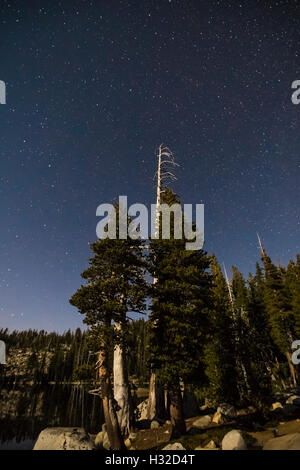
<point x="122" y="392"/>
<point x="237" y="340"/>
<point x="166" y="162"/>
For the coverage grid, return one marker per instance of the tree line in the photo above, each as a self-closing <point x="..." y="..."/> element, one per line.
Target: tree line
<point x="66" y="357"/>
<point x="228" y="341"/>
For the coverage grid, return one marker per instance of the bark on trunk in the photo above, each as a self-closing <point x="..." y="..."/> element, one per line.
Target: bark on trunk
<point x="156" y="408"/>
<point x="110" y="416"/>
<point x="122" y="393"/>
<point x="176" y="413"/>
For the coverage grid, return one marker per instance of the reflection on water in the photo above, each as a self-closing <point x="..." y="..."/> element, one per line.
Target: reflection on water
<point x="25" y="410"/>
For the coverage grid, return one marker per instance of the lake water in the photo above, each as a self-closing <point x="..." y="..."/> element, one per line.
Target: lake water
<point x="26" y="410"/>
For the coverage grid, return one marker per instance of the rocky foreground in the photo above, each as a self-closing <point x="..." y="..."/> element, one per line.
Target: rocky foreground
<point x="224" y="428"/>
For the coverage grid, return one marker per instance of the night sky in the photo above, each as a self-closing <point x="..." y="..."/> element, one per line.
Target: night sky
<point x="93" y="87"/>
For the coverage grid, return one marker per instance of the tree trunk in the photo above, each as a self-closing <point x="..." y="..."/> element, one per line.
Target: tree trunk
<point x="122" y="393"/>
<point x="156" y="408"/>
<point x="292" y="369"/>
<point x="110" y="416"/>
<point x="176" y="413"/>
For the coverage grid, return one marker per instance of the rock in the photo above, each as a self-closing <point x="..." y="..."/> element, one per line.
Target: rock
<point x="127" y="443"/>
<point x="142" y="410"/>
<point x="175" y="446"/>
<point x="204" y="407"/>
<point x="64" y="439"/>
<point x="106" y="441"/>
<point x="287" y="442"/>
<point x="190" y="404"/>
<point x="211" y="445"/>
<point x="227" y="410"/>
<point x="219" y="418"/>
<point x="133" y="436"/>
<point x="202" y="422"/>
<point x="204" y="448"/>
<point x="293" y="400"/>
<point x="252" y="409"/>
<point x="234" y="440"/>
<point x="276" y="405"/>
<point x="154" y="424"/>
<point x="99" y="439"/>
<point x="284" y="410"/>
<point x="224" y="414"/>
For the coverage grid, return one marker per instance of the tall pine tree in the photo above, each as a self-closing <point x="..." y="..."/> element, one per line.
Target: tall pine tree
<point x="220" y="359"/>
<point x="255" y="383"/>
<point x="280" y="312"/>
<point x="179" y="311"/>
<point x="115" y="284"/>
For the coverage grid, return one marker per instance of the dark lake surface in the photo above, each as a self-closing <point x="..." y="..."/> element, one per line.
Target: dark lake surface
<point x="27" y="409"/>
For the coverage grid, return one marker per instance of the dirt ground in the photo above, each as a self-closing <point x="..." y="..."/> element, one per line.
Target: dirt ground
<point x="158" y="438"/>
<point x="282" y="428"/>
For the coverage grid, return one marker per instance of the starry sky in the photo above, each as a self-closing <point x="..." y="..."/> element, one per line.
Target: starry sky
<point x="93" y="87"/>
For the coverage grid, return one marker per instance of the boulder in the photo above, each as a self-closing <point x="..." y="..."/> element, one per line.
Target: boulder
<point x="224" y="414"/>
<point x="204" y="407"/>
<point x="234" y="440"/>
<point x="276" y="405"/>
<point x="127" y="443"/>
<point x="64" y="439"/>
<point x="175" y="446"/>
<point x="154" y="424"/>
<point x="211" y="445"/>
<point x="293" y="400"/>
<point x="190" y="404"/>
<point x="285" y="410"/>
<point x="227" y="410"/>
<point x="105" y="441"/>
<point x="287" y="442"/>
<point x="133" y="436"/>
<point x="99" y="439"/>
<point x="142" y="410"/>
<point x="202" y="422"/>
<point x="219" y="418"/>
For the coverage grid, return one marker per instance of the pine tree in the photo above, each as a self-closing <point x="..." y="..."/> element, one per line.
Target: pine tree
<point x="165" y="167"/>
<point x="280" y="312"/>
<point x="241" y="327"/>
<point x="178" y="316"/>
<point x="262" y="346"/>
<point x="220" y="360"/>
<point x="114" y="285"/>
<point x="293" y="280"/>
<point x="256" y="383"/>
